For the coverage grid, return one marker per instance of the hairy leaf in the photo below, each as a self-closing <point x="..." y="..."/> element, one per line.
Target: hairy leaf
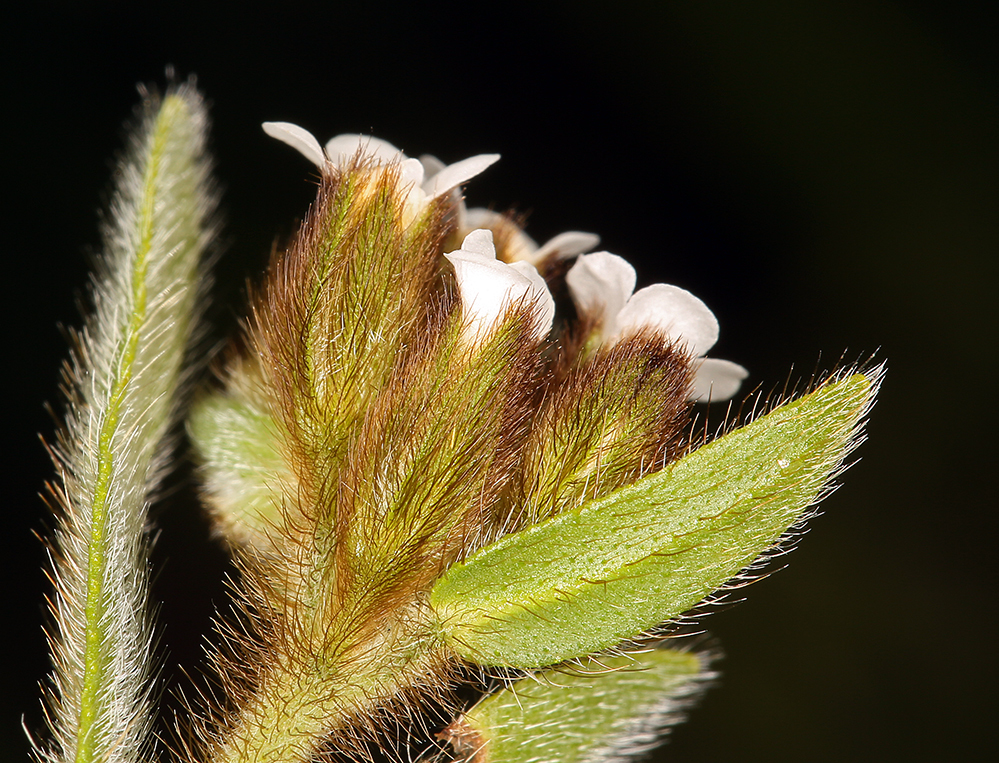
<point x="588" y="578"/>
<point x="121" y="384"/>
<point x="615" y="709"/>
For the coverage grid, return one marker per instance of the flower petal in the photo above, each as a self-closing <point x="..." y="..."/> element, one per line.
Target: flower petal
<point x="479" y="242"/>
<point x="485" y="285"/>
<point x="543" y="300"/>
<point x="717" y="380"/>
<point x="411" y="172"/>
<point x="431" y="165"/>
<point x="682" y="316"/>
<point x="488" y="287"/>
<point x="517" y="245"/>
<point x="342" y="149"/>
<point x="600" y="284"/>
<point x="568" y="244"/>
<point x="298" y="138"/>
<point x="480" y="217"/>
<point x="458" y="173"/>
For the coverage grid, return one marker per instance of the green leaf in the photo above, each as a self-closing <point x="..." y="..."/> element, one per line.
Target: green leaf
<point x="245" y="475"/>
<point x="589" y="578"/>
<point x="614" y="710"/>
<point x="122" y="388"/>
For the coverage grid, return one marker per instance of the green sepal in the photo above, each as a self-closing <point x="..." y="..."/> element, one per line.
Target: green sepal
<point x="613" y="419"/>
<point x="589" y="578"/>
<point x="614" y="709"/>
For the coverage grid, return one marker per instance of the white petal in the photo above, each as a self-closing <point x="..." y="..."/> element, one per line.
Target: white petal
<point x="479" y="242"/>
<point x="480" y="217"/>
<point x="298" y="138"/>
<point x="458" y="173"/>
<point x="600" y="284"/>
<point x="342" y="149"/>
<point x="488" y="287"/>
<point x="517" y="245"/>
<point x="411" y="173"/>
<point x="544" y="303"/>
<point x="431" y="165"/>
<point x="717" y="380"/>
<point x="485" y="285"/>
<point x="568" y="244"/>
<point x="675" y="311"/>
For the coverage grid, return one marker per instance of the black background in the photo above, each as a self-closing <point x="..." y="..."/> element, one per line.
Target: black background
<point x="823" y="174"/>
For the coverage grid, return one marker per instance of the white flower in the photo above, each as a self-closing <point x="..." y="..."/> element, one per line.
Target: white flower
<point x="427" y="180"/>
<point x="603" y="285"/>
<point x="488" y="287"/>
<point x="717" y="379"/>
<point x="521" y="247"/>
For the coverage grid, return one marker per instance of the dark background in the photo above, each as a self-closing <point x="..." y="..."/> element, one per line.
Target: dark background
<point x="823" y="174"/>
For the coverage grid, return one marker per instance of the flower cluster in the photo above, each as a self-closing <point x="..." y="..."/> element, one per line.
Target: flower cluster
<point x="602" y="285"/>
<point x="410" y="400"/>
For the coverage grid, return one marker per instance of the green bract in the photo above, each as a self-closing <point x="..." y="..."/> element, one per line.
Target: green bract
<point x="589" y="578"/>
<point x="613" y="709"/>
